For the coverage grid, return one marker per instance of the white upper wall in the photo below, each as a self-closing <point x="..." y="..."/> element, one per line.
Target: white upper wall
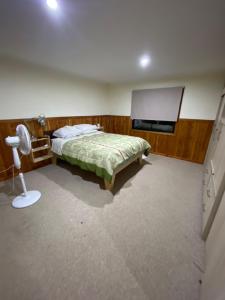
<point x="27" y="91"/>
<point x="200" y="100"/>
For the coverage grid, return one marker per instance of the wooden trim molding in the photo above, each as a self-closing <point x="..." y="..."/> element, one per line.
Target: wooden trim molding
<point x="189" y="142"/>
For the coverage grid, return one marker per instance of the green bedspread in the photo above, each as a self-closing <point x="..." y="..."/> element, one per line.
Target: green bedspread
<point x="103" y="153"/>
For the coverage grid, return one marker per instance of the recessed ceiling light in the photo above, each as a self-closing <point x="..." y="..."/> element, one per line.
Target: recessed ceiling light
<point x="52" y="4"/>
<point x="144" y="61"/>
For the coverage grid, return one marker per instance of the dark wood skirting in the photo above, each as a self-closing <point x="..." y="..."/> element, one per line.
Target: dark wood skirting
<point x="189" y="142"/>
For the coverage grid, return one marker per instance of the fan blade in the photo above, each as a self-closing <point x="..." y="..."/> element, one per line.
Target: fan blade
<point x="25" y="141"/>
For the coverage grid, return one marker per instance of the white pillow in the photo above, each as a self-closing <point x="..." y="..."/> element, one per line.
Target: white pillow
<point x="87" y="131"/>
<point x="67" y="132"/>
<point x="85" y="127"/>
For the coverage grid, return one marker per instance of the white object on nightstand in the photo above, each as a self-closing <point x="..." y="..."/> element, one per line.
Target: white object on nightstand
<point x="100" y="128"/>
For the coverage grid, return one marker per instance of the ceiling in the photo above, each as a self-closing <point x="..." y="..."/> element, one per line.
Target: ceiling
<point x="103" y="39"/>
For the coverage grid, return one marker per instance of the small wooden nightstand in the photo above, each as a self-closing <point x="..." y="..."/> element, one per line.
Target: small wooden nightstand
<point x="41" y="149"/>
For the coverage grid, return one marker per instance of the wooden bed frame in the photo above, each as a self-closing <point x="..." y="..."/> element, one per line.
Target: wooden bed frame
<point x="109" y="185"/>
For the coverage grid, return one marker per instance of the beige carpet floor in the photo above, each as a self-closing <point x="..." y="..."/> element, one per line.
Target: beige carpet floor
<point x="82" y="242"/>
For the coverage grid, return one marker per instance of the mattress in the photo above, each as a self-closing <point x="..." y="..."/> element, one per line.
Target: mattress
<point x="57" y="143"/>
<point x="100" y="153"/>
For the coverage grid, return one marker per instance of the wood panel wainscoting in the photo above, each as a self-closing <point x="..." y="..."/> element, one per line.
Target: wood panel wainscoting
<point x="8" y="128"/>
<point x="189" y="141"/>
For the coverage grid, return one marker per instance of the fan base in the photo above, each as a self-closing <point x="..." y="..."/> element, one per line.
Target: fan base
<point x="22" y="200"/>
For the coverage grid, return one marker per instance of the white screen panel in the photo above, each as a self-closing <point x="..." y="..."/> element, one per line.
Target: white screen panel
<point x="156" y="104"/>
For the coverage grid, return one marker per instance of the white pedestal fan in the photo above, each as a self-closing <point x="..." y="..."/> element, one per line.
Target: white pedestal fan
<point x="23" y="142"/>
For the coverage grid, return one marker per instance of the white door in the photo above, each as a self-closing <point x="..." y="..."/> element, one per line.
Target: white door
<point x="214" y="178"/>
<point x="209" y="197"/>
<point x="216" y="129"/>
<point x="213" y="280"/>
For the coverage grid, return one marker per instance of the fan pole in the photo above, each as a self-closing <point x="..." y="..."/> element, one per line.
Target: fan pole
<point x="16" y="158"/>
<point x="23" y="184"/>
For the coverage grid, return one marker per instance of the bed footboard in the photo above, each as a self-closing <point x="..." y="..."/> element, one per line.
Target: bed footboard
<point x="109" y="185"/>
<point x="137" y="157"/>
<point x="54" y="158"/>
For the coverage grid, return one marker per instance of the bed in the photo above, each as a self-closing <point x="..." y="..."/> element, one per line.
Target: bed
<point x="105" y="154"/>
